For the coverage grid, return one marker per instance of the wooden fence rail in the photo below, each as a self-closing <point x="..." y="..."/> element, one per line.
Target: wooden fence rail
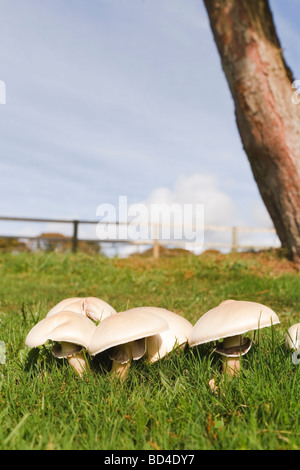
<point x="155" y="241"/>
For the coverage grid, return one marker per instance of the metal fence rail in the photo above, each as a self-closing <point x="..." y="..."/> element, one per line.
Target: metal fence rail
<point x="155" y="242"/>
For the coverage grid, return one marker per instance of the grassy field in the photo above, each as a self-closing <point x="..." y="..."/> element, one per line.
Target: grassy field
<point x="167" y="405"/>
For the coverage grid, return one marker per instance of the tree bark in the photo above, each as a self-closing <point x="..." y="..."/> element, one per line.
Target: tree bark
<point x="268" y="121"/>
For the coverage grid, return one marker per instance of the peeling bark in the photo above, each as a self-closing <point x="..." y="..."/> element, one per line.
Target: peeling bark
<point x="268" y="122"/>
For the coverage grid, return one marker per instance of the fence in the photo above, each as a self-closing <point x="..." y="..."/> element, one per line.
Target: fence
<point x="155" y="242"/>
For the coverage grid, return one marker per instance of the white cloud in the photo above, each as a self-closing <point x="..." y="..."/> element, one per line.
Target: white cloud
<point x="219" y="208"/>
<point x="193" y="190"/>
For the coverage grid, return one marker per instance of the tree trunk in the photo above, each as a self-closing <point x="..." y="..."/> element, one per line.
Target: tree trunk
<point x="268" y="121"/>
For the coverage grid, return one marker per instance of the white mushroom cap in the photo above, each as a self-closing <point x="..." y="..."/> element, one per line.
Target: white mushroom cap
<point x="231" y="318"/>
<point x="175" y="336"/>
<point x="92" y="307"/>
<point x="292" y="339"/>
<point x="64" y="326"/>
<point x="125" y="327"/>
<point x="98" y="309"/>
<point x="62" y="304"/>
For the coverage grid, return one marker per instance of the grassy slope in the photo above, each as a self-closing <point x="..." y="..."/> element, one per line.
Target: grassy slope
<point x="168" y="405"/>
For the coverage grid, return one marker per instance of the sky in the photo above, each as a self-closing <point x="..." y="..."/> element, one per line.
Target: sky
<point x="110" y="98"/>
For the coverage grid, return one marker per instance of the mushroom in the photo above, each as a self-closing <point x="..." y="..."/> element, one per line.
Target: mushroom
<point x="292" y="338"/>
<point x="62" y="304"/>
<point x="124" y="335"/>
<point x="166" y="341"/>
<point x="92" y="307"/>
<point x="71" y="329"/>
<point x="229" y="321"/>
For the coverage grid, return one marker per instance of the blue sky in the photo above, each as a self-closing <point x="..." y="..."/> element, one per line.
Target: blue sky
<point x="122" y="97"/>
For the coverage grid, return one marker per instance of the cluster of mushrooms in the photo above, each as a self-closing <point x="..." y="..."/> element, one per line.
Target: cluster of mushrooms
<point x="89" y="326"/>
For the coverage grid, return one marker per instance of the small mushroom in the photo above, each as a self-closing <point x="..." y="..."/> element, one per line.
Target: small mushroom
<point x="91" y="307"/>
<point x="176" y="335"/>
<point x="292" y="338"/>
<point x="124" y="335"/>
<point x="72" y="330"/>
<point x="229" y="321"/>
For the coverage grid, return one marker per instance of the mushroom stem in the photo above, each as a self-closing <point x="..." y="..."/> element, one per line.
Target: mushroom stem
<point x="76" y="359"/>
<point x="232" y="365"/>
<point x="121" y="360"/>
<point x="78" y="362"/>
<point x="120" y="370"/>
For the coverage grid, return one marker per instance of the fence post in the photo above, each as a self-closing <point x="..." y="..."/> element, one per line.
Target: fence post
<point x="75" y="235"/>
<point x="234" y="246"/>
<point x="156" y="242"/>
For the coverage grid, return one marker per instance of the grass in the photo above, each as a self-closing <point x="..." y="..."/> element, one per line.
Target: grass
<point x="168" y="405"/>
